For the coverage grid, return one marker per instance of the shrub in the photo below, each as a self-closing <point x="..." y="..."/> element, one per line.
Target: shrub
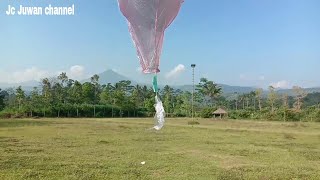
<point x="293" y="115"/>
<point x="207" y="112"/>
<point x="5" y="115"/>
<point x="193" y="123"/>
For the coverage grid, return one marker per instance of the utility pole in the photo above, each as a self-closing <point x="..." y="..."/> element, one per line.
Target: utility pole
<point x="193" y="66"/>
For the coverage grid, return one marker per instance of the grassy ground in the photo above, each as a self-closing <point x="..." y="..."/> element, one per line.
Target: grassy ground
<point x="115" y="148"/>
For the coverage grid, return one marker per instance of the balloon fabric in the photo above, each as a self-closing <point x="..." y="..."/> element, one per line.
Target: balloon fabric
<point x="147" y="21"/>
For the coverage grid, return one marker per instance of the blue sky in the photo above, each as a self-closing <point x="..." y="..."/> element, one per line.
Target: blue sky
<point x="244" y="42"/>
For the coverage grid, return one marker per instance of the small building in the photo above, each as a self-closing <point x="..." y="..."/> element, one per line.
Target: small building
<point x="220" y="113"/>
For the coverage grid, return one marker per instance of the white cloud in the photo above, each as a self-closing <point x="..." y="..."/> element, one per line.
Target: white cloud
<point x="36" y="74"/>
<point x="281" y="84"/>
<point x="28" y="74"/>
<point x="3" y="77"/>
<point x="76" y="72"/>
<point x="176" y="71"/>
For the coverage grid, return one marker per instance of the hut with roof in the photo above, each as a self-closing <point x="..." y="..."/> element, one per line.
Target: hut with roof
<point x="220" y="113"/>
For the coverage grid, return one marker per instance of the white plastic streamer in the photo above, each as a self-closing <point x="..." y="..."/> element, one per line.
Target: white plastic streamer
<point x="160" y="114"/>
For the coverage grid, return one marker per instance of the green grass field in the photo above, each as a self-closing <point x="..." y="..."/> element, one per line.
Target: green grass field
<point x="115" y="148"/>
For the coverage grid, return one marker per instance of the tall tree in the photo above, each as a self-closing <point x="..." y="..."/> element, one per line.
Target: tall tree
<point x="242" y="98"/>
<point x="247" y="98"/>
<point x="106" y="96"/>
<point x="285" y="105"/>
<point x="34" y="101"/>
<point x="272" y="97"/>
<point x="47" y="95"/>
<point x="20" y="94"/>
<point x="76" y="95"/>
<point x="167" y="95"/>
<point x="63" y="78"/>
<point x="2" y="96"/>
<point x="59" y="94"/>
<point x="253" y="99"/>
<point x="209" y="89"/>
<point x="121" y="93"/>
<point x="88" y="92"/>
<point x="183" y="104"/>
<point x="235" y="98"/>
<point x="259" y="97"/>
<point x="299" y="95"/>
<point x="10" y="98"/>
<point x="64" y="82"/>
<point x="96" y="86"/>
<point x="137" y="98"/>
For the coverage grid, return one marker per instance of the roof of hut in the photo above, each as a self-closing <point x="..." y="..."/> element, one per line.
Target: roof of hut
<point x="220" y="111"/>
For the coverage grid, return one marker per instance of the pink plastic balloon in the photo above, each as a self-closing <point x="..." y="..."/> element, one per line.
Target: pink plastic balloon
<point x="147" y="20"/>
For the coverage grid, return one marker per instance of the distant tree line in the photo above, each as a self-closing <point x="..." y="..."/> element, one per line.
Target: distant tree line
<point x="302" y="106"/>
<point x="64" y="97"/>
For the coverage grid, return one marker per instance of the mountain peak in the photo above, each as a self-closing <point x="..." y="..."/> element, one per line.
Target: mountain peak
<point x="111" y="76"/>
<point x="110" y="71"/>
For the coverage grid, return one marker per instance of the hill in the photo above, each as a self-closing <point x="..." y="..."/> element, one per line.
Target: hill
<point x="227" y="89"/>
<point x="110" y="76"/>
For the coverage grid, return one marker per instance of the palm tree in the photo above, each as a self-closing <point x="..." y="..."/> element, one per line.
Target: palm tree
<point x="258" y="94"/>
<point x="63" y="78"/>
<point x="300" y="95"/>
<point x="46" y="94"/>
<point x="272" y="97"/>
<point x="285" y="105"/>
<point x="210" y="89"/>
<point x="20" y="94"/>
<point x="95" y="82"/>
<point x="2" y="96"/>
<point x="241" y="99"/>
<point x="167" y="94"/>
<point x="137" y="97"/>
<point x="76" y="95"/>
<point x="253" y="98"/>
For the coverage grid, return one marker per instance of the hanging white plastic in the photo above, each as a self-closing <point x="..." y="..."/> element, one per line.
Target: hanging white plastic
<point x="160" y="114"/>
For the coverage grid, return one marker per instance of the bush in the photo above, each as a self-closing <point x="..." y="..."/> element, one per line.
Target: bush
<point x="193" y="123"/>
<point x="312" y="114"/>
<point x="269" y="116"/>
<point x="293" y="115"/>
<point x="5" y="115"/>
<point x="242" y="114"/>
<point x="179" y="115"/>
<point x="233" y="115"/>
<point x="207" y="112"/>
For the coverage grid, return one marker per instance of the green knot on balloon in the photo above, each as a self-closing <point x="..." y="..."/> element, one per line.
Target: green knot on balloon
<point x="155" y="84"/>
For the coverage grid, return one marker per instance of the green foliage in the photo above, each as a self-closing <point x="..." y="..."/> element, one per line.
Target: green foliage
<point x="209" y="89"/>
<point x="64" y="97"/>
<point x="312" y="99"/>
<point x="312" y="114"/>
<point x="270" y="116"/>
<point x="6" y="114"/>
<point x="242" y="114"/>
<point x="207" y="112"/>
<point x="2" y="96"/>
